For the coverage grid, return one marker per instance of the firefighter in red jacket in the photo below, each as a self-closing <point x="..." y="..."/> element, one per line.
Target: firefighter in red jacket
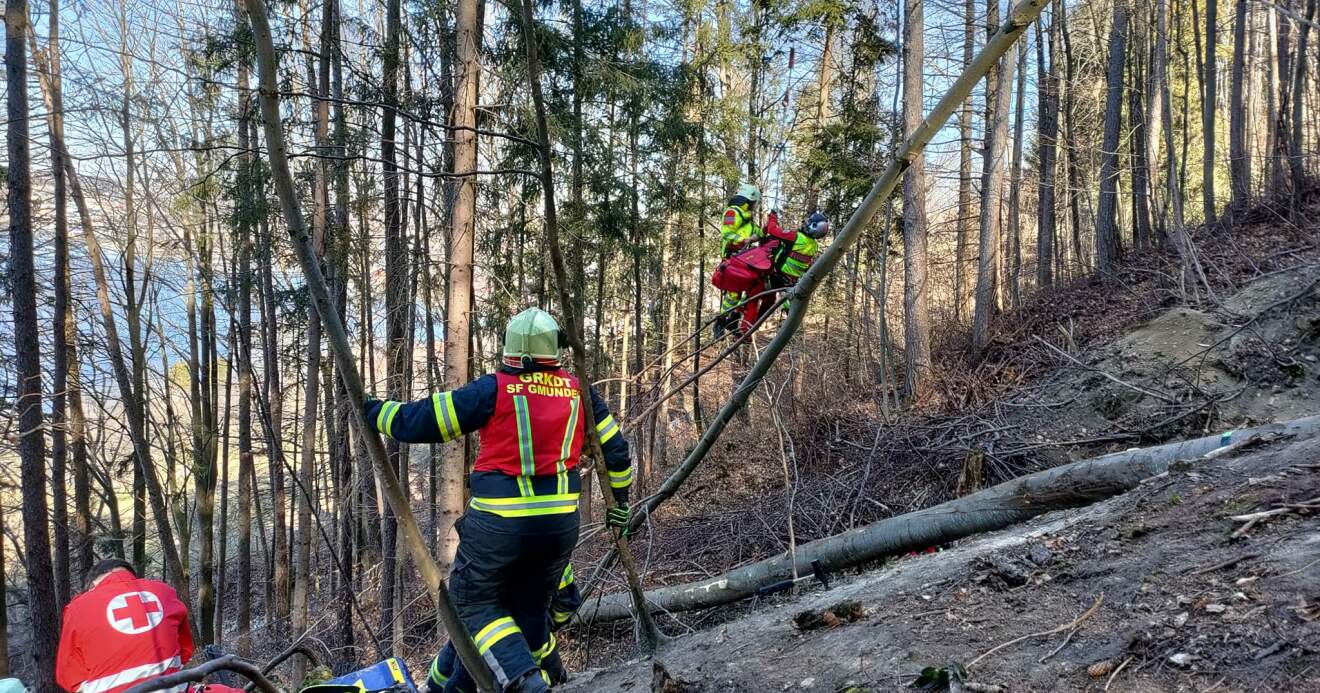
<point x="122" y="631"/>
<point x="794" y="253"/>
<point x="518" y="533"/>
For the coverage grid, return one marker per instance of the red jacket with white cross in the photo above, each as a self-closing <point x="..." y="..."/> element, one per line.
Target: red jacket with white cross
<point x="121" y="632"/>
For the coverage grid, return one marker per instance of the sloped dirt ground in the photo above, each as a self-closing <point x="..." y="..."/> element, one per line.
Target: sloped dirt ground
<point x="1253" y="359"/>
<point x="1187" y="606"/>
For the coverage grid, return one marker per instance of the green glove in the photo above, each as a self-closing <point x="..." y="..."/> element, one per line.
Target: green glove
<point x="618" y="517"/>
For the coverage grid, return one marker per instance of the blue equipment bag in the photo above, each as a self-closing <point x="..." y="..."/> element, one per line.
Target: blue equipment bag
<point x="389" y="674"/>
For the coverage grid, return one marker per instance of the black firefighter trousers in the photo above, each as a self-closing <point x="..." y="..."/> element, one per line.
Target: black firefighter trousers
<point x="505" y="573"/>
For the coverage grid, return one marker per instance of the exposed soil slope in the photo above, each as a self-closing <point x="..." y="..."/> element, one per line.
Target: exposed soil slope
<point x="1186" y="604"/>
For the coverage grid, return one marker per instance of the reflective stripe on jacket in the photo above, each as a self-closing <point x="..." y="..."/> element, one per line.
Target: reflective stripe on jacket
<point x="795" y="259"/>
<point x="737" y="229"/>
<point x="499" y="483"/>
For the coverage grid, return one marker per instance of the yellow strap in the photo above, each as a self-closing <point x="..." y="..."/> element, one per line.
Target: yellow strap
<point x="567" y="578"/>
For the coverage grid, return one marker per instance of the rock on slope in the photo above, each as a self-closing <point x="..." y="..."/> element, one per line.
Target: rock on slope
<point x="1187" y="605"/>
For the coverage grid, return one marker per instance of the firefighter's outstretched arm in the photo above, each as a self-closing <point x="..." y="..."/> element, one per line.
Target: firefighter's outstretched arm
<point x="615" y="448"/>
<point x="440" y="418"/>
<point x="774" y="230"/>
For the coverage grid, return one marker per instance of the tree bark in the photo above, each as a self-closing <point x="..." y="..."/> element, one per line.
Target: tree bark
<point x="1239" y="162"/>
<point x="27" y="359"/>
<point x="1296" y="156"/>
<point x="964" y="226"/>
<point x="65" y="340"/>
<point x="4" y="605"/>
<point x="246" y="469"/>
<point x="1209" y="108"/>
<point x="458" y="309"/>
<point x="1107" y="246"/>
<point x="824" y="89"/>
<point x="1015" y="184"/>
<point x="999" y="89"/>
<point x="1047" y="127"/>
<point x="916" y="296"/>
<point x="1138" y="125"/>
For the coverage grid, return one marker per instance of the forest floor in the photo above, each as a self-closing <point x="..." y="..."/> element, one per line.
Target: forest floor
<point x="1184" y="603"/>
<point x="1089" y="367"/>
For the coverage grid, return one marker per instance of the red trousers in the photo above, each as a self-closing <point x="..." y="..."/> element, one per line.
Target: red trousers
<point x="751" y="311"/>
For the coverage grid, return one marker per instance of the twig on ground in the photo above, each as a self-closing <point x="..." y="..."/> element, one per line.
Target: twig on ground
<point x="1067" y="639"/>
<point x="1226" y="563"/>
<point x="1294" y="572"/>
<point x="1252" y="519"/>
<point x="1120" y="668"/>
<point x="1053" y="631"/>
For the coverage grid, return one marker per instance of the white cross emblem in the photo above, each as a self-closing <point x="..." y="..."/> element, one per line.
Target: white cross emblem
<point x="132" y="613"/>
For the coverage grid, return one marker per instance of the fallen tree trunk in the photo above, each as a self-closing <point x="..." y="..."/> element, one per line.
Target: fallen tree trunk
<point x="1067" y="486"/>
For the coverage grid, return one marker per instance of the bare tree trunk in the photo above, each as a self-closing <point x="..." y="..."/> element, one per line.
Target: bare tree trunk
<point x="1074" y="189"/>
<point x="1107" y="246"/>
<point x="964" y="226"/>
<point x="1047" y="127"/>
<point x="246" y="470"/>
<point x="64" y="358"/>
<point x="458" y="311"/>
<point x="999" y="89"/>
<point x="1209" y="110"/>
<point x="1138" y="123"/>
<point x="200" y="362"/>
<point x="1273" y="170"/>
<point x="1015" y="185"/>
<point x="1283" y="112"/>
<point x="4" y="606"/>
<point x="319" y="82"/>
<point x="27" y="357"/>
<point x="916" y="297"/>
<point x="343" y="457"/>
<point x="396" y="279"/>
<point x="277" y="589"/>
<point x="1239" y="161"/>
<point x="1160" y="85"/>
<point x="1296" y="156"/>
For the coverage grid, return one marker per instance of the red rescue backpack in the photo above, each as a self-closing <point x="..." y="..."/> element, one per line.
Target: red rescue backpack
<point x="741" y="271"/>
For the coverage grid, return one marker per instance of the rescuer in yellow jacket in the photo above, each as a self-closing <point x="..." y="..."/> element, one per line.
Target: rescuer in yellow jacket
<point x="738" y="231"/>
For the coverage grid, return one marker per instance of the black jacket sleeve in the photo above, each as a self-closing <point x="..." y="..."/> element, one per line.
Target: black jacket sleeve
<point x="615" y="447"/>
<point x="439" y="418"/>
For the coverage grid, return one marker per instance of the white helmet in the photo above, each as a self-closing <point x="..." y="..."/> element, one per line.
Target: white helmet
<point x="750" y="192"/>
